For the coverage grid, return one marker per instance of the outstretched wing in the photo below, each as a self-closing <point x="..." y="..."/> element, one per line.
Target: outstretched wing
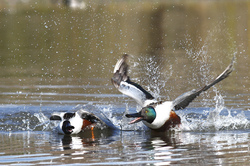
<point x="122" y="82"/>
<point x="183" y="100"/>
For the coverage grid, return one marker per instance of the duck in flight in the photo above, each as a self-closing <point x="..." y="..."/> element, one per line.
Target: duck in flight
<point x="157" y="115"/>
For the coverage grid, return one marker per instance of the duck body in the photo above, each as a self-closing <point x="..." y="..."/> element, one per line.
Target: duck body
<point x="84" y="118"/>
<point x="157" y="115"/>
<point x="165" y="117"/>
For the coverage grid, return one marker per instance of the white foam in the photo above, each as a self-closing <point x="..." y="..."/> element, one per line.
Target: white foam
<point x="215" y="119"/>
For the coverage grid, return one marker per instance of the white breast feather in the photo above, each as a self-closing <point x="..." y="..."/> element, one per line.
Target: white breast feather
<point x="77" y="122"/>
<point x="162" y="115"/>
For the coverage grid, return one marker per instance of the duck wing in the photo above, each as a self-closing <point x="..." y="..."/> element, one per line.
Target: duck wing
<point x="123" y="83"/>
<point x="183" y="100"/>
<point x="94" y="115"/>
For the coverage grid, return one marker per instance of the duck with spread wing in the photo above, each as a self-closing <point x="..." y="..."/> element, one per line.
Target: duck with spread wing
<point x="157" y="115"/>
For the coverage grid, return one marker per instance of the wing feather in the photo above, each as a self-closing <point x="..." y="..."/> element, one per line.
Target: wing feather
<point x="123" y="83"/>
<point x="183" y="100"/>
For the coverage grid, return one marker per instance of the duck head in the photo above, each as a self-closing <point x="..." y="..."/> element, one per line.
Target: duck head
<point x="71" y="123"/>
<point x="147" y="114"/>
<point x="66" y="127"/>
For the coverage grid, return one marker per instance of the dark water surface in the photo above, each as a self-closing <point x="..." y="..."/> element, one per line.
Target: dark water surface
<point x="55" y="58"/>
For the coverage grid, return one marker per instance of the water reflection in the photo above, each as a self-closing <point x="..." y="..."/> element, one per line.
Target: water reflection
<point x="223" y="145"/>
<point x="163" y="145"/>
<point x="127" y="147"/>
<point x="186" y="148"/>
<point x="81" y="142"/>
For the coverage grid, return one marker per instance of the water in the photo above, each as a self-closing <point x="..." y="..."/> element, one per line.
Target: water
<point x="56" y="58"/>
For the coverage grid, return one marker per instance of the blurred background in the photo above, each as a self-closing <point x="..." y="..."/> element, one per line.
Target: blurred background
<point x="64" y="51"/>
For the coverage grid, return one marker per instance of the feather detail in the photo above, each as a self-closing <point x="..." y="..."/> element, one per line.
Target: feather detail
<point x="123" y="83"/>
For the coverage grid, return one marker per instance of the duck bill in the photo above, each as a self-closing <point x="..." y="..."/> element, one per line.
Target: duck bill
<point x="136" y="115"/>
<point x="70" y="129"/>
<point x="136" y="120"/>
<point x="67" y="128"/>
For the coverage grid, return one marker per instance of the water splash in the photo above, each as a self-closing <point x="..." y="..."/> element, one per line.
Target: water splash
<point x="215" y="119"/>
<point x="117" y="117"/>
<point x="44" y="123"/>
<point x="154" y="79"/>
<point x="27" y="118"/>
<point x="24" y="118"/>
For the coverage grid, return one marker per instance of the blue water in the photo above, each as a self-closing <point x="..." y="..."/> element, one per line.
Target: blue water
<point x="29" y="138"/>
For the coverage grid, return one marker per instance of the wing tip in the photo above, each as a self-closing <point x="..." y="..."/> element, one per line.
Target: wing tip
<point x="122" y="61"/>
<point x="185" y="99"/>
<point x="120" y="71"/>
<point x="229" y="69"/>
<point x="115" y="82"/>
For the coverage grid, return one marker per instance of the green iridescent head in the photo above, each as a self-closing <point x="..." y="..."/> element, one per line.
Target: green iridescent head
<point x="147" y="113"/>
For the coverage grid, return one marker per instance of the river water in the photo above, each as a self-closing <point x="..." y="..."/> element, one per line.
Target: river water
<point x="57" y="58"/>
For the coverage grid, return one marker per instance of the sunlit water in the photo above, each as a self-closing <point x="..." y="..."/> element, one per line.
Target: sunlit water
<point x="57" y="59"/>
<point x="216" y="135"/>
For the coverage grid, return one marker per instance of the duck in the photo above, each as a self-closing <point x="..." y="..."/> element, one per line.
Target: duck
<point x="157" y="115"/>
<point x="86" y="117"/>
